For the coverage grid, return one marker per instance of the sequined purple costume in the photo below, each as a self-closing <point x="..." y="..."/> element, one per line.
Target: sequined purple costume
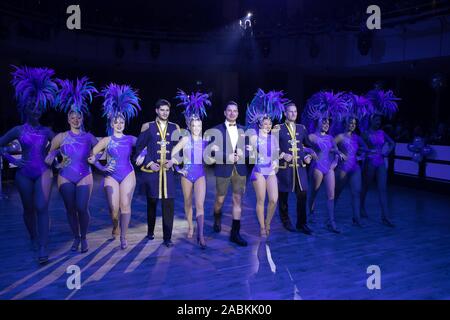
<point x="323" y="147"/>
<point x="376" y="142"/>
<point x="33" y="142"/>
<point x="118" y="154"/>
<point x="349" y="146"/>
<point x="266" y="146"/>
<point x="193" y="164"/>
<point x="77" y="148"/>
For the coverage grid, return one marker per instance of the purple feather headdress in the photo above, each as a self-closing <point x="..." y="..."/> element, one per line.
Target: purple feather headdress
<point x="384" y="102"/>
<point x="194" y="104"/>
<point x="120" y="100"/>
<point x="75" y="96"/>
<point x="271" y="104"/>
<point x="356" y="106"/>
<point x="34" y="85"/>
<point x="325" y="104"/>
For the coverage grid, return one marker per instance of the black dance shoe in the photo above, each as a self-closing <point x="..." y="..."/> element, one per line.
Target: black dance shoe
<point x="357" y="223"/>
<point x="332" y="227"/>
<point x="304" y="229"/>
<point x="217" y="222"/>
<point x="387" y="222"/>
<point x="43" y="256"/>
<point x="236" y="238"/>
<point x="288" y="226"/>
<point x="150" y="237"/>
<point x="168" y="243"/>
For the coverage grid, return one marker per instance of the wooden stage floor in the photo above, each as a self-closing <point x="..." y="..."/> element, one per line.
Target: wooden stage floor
<point x="414" y="257"/>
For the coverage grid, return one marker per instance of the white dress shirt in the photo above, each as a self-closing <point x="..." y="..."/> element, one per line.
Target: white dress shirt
<point x="233" y="132"/>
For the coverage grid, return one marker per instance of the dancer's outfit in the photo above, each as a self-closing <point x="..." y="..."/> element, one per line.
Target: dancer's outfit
<point x="35" y="89"/>
<point x="74" y="97"/>
<point x="267" y="152"/>
<point x="193" y="164"/>
<point x="76" y="148"/>
<point x="324" y="148"/>
<point x="292" y="176"/>
<point x="121" y="101"/>
<point x="34" y="143"/>
<point x="350" y="146"/>
<point x="384" y="104"/>
<point x="118" y="154"/>
<point x="160" y="184"/>
<point x="320" y="108"/>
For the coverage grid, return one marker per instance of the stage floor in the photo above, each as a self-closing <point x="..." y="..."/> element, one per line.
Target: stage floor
<point x="414" y="257"/>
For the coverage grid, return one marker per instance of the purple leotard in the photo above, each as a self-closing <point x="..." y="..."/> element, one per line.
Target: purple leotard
<point x="376" y="143"/>
<point x="194" y="163"/>
<point x="76" y="147"/>
<point x="118" y="154"/>
<point x="323" y="147"/>
<point x="264" y="159"/>
<point x="33" y="142"/>
<point x="349" y="146"/>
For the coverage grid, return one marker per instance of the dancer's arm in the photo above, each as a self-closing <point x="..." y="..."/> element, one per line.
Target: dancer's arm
<point x="175" y="155"/>
<point x="390" y="143"/>
<point x="96" y="155"/>
<point x="54" y="148"/>
<point x="5" y="150"/>
<point x="10" y="136"/>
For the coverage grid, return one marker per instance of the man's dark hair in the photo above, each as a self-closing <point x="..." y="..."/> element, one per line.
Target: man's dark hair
<point x="231" y="102"/>
<point x="162" y="102"/>
<point x="289" y="104"/>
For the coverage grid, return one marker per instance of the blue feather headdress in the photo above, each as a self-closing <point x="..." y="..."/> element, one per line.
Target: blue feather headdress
<point x="271" y="105"/>
<point x="384" y="102"/>
<point x="357" y="106"/>
<point x="34" y="86"/>
<point x="323" y="105"/>
<point x="194" y="104"/>
<point x="75" y="96"/>
<point x="120" y="101"/>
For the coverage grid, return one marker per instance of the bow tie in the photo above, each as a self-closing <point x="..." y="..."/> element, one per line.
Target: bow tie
<point x="232" y="125"/>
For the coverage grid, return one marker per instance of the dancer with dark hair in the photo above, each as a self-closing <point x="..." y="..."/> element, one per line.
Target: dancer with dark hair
<point x="353" y="148"/>
<point x="376" y="139"/>
<point x="35" y="92"/>
<point x="320" y="108"/>
<point x="193" y="179"/>
<point x="292" y="174"/>
<point x="75" y="180"/>
<point x="157" y="168"/>
<point x="264" y="147"/>
<point x="120" y="105"/>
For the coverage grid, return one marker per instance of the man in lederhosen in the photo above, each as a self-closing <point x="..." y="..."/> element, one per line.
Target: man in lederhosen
<point x="230" y="168"/>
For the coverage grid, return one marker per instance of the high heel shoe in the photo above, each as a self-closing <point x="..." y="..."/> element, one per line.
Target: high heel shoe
<point x="267" y="229"/>
<point x="201" y="244"/>
<point x="332" y="227"/>
<point x="190" y="233"/>
<point x="263" y="233"/>
<point x="123" y="243"/>
<point x="84" y="245"/>
<point x="75" y="244"/>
